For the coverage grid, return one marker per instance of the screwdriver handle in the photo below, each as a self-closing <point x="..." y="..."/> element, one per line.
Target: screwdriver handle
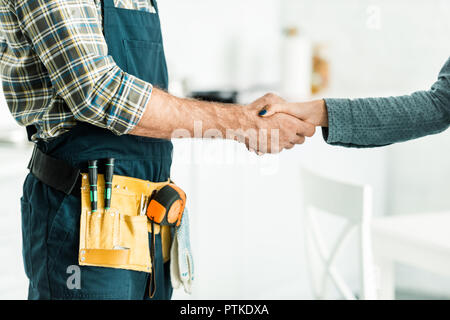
<point x="109" y="172"/>
<point x="93" y="176"/>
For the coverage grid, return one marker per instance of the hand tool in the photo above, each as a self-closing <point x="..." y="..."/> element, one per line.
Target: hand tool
<point x="167" y="206"/>
<point x="143" y="206"/>
<point x="109" y="172"/>
<point x="93" y="175"/>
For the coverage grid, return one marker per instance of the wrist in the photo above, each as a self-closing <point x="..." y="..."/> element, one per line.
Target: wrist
<point x="228" y="117"/>
<point x="237" y="120"/>
<point x="318" y="113"/>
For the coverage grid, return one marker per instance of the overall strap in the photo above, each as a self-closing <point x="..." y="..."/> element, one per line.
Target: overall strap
<point x="155" y="5"/>
<point x="108" y="3"/>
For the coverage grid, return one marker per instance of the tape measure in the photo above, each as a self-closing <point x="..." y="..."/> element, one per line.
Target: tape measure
<point x="167" y="206"/>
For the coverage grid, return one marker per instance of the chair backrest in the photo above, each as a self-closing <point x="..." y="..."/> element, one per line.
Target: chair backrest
<point x="353" y="203"/>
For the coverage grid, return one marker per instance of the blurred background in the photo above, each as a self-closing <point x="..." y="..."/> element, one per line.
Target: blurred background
<point x="246" y="211"/>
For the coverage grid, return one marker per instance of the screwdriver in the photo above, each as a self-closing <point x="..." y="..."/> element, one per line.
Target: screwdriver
<point x="93" y="175"/>
<point x="109" y="172"/>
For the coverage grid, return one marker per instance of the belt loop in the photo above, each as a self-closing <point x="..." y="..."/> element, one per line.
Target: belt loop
<point x="31" y="130"/>
<point x="33" y="156"/>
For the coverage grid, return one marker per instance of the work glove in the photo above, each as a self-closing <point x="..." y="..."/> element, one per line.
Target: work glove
<point x="181" y="261"/>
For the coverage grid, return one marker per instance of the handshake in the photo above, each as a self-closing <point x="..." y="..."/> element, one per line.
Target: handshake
<point x="271" y="124"/>
<point x="268" y="125"/>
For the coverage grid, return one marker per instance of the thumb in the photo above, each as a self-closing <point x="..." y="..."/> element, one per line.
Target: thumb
<point x="290" y="108"/>
<point x="270" y="109"/>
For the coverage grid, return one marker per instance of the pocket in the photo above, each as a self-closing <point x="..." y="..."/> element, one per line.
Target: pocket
<point x="26" y="237"/>
<point x="117" y="238"/>
<point x="146" y="60"/>
<point x="133" y="236"/>
<point x="64" y="223"/>
<point x="102" y="230"/>
<point x="143" y="7"/>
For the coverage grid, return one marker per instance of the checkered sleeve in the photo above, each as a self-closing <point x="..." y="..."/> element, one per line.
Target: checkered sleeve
<point x="67" y="36"/>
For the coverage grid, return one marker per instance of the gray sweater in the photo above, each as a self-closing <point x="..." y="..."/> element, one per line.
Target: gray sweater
<point x="374" y="122"/>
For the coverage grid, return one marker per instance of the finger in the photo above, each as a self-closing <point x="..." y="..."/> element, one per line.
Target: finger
<point x="270" y="109"/>
<point x="251" y="143"/>
<point x="273" y="98"/>
<point x="306" y="129"/>
<point x="269" y="98"/>
<point x="298" y="140"/>
<point x="274" y="149"/>
<point x="239" y="138"/>
<point x="290" y="146"/>
<point x="294" y="109"/>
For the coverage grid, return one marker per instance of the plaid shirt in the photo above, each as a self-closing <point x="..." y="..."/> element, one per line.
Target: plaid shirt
<point x="56" y="70"/>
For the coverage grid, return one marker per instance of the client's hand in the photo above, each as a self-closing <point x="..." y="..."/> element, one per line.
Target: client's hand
<point x="275" y="133"/>
<point x="314" y="112"/>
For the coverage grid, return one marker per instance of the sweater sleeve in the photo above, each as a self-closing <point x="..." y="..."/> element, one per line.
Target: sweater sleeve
<point x="374" y="122"/>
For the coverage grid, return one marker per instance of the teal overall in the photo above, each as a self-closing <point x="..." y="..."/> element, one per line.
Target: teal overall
<point x="51" y="219"/>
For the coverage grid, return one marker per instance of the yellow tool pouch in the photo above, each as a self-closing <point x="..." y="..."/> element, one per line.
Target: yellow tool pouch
<point x="119" y="237"/>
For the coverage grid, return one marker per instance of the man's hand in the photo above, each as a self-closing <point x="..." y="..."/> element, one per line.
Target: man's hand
<point x="272" y="134"/>
<point x="169" y="117"/>
<point x="314" y="112"/>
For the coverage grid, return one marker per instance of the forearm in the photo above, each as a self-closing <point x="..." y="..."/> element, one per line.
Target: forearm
<point x="168" y="117"/>
<point x="165" y="114"/>
<point x="373" y="122"/>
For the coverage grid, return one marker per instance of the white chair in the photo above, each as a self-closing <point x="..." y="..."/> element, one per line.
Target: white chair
<point x="353" y="203"/>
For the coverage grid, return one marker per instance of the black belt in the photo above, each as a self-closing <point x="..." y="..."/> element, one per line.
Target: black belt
<point x="55" y="173"/>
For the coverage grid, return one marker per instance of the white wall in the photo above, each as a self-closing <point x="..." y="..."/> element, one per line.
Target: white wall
<point x="397" y="52"/>
<point x="376" y="46"/>
<point x="220" y="44"/>
<point x="246" y="224"/>
<point x="263" y="256"/>
<point x="401" y="54"/>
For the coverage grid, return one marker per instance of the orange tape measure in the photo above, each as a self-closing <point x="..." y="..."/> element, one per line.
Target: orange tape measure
<point x="167" y="206"/>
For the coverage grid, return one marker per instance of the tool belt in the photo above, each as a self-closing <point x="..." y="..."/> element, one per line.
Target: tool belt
<point x="114" y="238"/>
<point x="118" y="237"/>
